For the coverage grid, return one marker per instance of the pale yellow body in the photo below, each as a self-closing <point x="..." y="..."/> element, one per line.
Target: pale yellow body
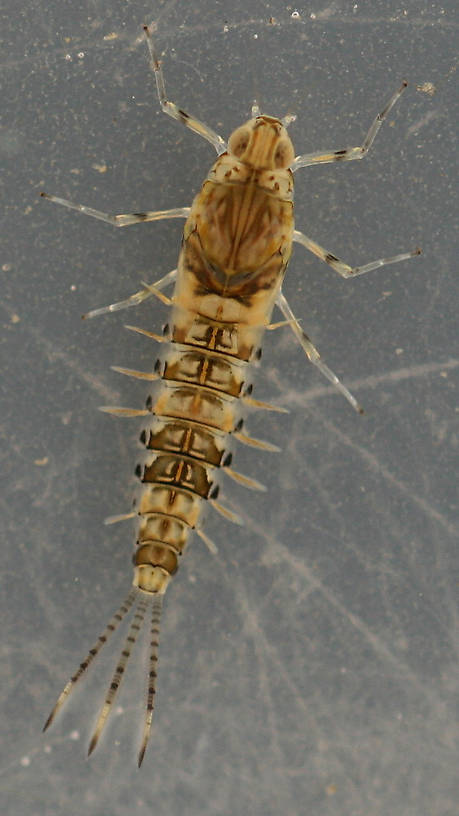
<point x="236" y="245"/>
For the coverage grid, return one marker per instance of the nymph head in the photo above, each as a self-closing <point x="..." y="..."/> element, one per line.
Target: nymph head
<point x="263" y="143"/>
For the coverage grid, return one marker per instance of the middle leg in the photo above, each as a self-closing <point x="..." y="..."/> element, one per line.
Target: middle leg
<point x="343" y="268"/>
<point x="123" y="220"/>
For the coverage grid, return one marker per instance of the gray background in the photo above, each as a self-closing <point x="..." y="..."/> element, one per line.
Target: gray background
<point x="311" y="666"/>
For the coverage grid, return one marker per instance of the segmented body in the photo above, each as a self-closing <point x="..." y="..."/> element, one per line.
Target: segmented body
<point x="236" y="246"/>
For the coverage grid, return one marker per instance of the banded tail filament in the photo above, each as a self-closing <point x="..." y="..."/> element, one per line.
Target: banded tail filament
<point x="236" y="245"/>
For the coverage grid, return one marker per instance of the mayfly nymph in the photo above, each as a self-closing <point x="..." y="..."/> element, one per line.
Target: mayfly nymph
<point x="237" y="242"/>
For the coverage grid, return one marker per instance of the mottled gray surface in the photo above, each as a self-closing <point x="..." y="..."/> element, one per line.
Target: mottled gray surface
<point x="310" y="668"/>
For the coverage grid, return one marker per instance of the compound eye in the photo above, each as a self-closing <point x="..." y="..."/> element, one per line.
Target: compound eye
<point x="283" y="156"/>
<point x="238" y="142"/>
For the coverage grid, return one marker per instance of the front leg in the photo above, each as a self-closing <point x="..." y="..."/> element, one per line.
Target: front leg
<point x="350" y="153"/>
<point x="172" y="109"/>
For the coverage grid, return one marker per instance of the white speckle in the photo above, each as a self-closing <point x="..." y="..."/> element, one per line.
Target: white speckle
<point x="74" y="735"/>
<point x="68" y="58"/>
<point x="427" y="87"/>
<point x="80" y="55"/>
<point x="295" y="15"/>
<point x="25" y="761"/>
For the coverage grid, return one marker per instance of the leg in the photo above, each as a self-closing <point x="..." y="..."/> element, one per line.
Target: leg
<point x="124" y="220"/>
<point x="342" y="268"/>
<point x="171" y="108"/>
<point x="312" y="353"/>
<point x="137" y="297"/>
<point x="350" y="153"/>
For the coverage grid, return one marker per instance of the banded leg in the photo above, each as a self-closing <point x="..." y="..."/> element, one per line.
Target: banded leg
<point x="343" y="268"/>
<point x="350" y="153"/>
<point x="171" y="108"/>
<point x="312" y="353"/>
<point x="123" y="220"/>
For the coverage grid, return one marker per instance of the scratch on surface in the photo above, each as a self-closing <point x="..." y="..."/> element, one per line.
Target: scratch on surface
<point x="264" y="649"/>
<point x="252" y="626"/>
<point x="295" y="398"/>
<point x="416" y="126"/>
<point x="403" y="671"/>
<point x="95" y="383"/>
<point x="271" y="708"/>
<point x="377" y="467"/>
<point x="371" y="381"/>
